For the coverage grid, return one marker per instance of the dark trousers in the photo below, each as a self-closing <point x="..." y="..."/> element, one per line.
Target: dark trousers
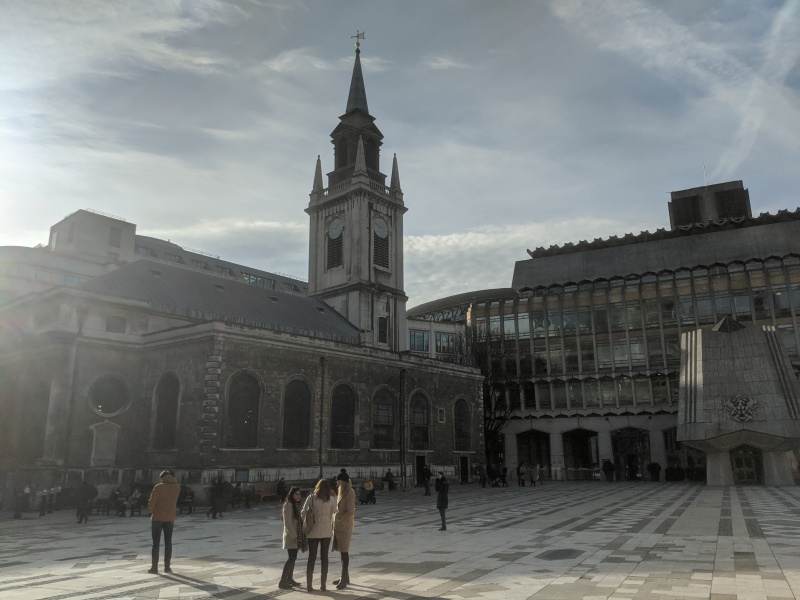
<point x="323" y="544"/>
<point x="288" y="568"/>
<point x="83" y="511"/>
<point x="157" y="527"/>
<point x="441" y="514"/>
<point x="427" y="483"/>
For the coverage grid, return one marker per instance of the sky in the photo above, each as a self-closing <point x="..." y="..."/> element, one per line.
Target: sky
<point x="516" y="124"/>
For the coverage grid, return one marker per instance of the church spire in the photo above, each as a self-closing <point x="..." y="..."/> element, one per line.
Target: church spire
<point x="395" y="184"/>
<point x="361" y="162"/>
<point x="357" y="99"/>
<point x="318" y="187"/>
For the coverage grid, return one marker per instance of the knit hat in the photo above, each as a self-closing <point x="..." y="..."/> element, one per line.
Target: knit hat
<point x="343" y="476"/>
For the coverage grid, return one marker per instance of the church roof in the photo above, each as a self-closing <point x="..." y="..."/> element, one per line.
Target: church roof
<point x="194" y="294"/>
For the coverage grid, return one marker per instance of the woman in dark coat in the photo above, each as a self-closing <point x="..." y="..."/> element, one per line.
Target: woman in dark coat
<point x="293" y="536"/>
<point x="442" y="489"/>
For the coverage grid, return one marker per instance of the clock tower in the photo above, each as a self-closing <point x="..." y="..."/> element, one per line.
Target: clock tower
<point x="356" y="235"/>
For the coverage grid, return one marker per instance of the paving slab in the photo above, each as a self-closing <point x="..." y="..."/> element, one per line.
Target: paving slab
<point x="576" y="540"/>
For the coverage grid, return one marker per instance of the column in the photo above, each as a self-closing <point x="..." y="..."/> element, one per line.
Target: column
<point x="604" y="447"/>
<point x="511" y="458"/>
<point x="658" y="452"/>
<point x="556" y="456"/>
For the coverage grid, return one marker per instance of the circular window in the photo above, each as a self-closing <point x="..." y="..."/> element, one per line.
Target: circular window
<point x="108" y="396"/>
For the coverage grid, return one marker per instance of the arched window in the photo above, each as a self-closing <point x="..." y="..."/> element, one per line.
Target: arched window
<point x="296" y="415"/>
<point x="462" y="426"/>
<point x="166" y="405"/>
<point x="383" y="420"/>
<point x="108" y="396"/>
<point x="420" y="418"/>
<point x="244" y="398"/>
<point x="343" y="413"/>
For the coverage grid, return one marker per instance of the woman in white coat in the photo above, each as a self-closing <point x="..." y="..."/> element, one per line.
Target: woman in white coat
<point x="320" y="506"/>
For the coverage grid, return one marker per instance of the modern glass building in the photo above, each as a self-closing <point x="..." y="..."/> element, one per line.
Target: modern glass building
<point x="585" y="347"/>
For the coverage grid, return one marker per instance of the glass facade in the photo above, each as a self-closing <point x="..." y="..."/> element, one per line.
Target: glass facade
<point x="616" y="342"/>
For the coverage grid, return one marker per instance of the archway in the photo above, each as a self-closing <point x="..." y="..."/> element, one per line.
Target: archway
<point x="631" y="447"/>
<point x="580" y="453"/>
<point x="533" y="447"/>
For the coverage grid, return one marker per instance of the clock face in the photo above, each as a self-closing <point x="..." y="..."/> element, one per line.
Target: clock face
<point x="335" y="228"/>
<point x="381" y="228"/>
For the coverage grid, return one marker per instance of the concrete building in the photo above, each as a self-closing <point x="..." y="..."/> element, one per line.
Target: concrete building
<point x="160" y="356"/>
<point x="585" y="344"/>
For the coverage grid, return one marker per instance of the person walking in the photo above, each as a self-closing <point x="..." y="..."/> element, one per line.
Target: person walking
<point x="520" y="476"/>
<point x="162" y="506"/>
<point x="504" y="476"/>
<point x="320" y="506"/>
<point x="442" y="490"/>
<point x="482" y="474"/>
<point x="343" y="525"/>
<point x="293" y="537"/>
<point x="536" y="474"/>
<point x="426" y="479"/>
<point x="83" y="502"/>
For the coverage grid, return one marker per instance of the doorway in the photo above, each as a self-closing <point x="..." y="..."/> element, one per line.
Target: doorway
<point x="419" y="465"/>
<point x="748" y="465"/>
<point x="631" y="447"/>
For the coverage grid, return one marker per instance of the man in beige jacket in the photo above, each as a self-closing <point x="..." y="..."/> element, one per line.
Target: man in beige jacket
<point x="162" y="506"/>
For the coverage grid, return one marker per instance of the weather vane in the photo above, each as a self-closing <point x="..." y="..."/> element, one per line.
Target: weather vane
<point x="358" y="36"/>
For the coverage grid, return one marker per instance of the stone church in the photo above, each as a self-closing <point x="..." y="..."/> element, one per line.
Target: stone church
<point x="128" y="355"/>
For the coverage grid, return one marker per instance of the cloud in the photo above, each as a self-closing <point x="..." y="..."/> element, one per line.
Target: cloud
<point x="439" y="63"/>
<point x="437" y="266"/>
<point x="647" y="36"/>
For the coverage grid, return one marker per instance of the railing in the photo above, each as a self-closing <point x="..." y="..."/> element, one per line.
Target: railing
<point x="379" y="187"/>
<point x="583" y="473"/>
<point x="200" y="252"/>
<point x="99" y="212"/>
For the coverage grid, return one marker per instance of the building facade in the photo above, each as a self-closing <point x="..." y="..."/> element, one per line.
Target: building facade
<point x="585" y="347"/>
<point x="163" y="357"/>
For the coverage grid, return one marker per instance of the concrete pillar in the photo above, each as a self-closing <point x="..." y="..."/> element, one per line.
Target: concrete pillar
<point x="718" y="468"/>
<point x="511" y="459"/>
<point x="777" y="468"/>
<point x="604" y="447"/>
<point x="557" y="456"/>
<point x="658" y="452"/>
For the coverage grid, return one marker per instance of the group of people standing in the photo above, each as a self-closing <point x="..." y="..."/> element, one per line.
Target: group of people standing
<point x="325" y="515"/>
<point x="328" y="514"/>
<point x="529" y="472"/>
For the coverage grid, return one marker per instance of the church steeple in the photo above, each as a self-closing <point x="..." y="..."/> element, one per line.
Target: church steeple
<point x="354" y="125"/>
<point x="356" y="228"/>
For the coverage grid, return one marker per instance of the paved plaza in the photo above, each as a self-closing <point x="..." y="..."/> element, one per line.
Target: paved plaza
<point x="584" y="540"/>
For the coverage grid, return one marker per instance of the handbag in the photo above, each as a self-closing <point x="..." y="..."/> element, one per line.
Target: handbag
<point x="308" y="518"/>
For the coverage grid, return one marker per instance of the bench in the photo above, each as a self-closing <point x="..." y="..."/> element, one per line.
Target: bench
<point x="102" y="506"/>
<point x="186" y="505"/>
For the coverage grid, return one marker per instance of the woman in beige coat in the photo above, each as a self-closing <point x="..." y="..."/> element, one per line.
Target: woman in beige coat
<point x="343" y="525"/>
<point x="321" y="506"/>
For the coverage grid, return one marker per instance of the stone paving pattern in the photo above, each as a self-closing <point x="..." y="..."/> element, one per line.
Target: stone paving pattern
<point x="584" y="540"/>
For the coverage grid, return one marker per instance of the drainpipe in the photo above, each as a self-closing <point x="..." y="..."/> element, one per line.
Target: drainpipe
<point x="82" y="310"/>
<point x="321" y="408"/>
<point x="403" y="426"/>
